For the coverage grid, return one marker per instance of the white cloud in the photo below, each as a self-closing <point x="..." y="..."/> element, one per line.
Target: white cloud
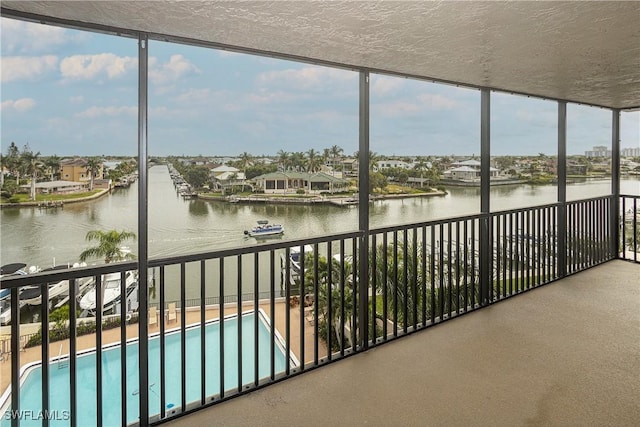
<point x="91" y="66"/>
<point x="20" y="105"/>
<point x="397" y="108"/>
<point x="76" y="99"/>
<point x="169" y="72"/>
<point x="95" y="112"/>
<point x="436" y="102"/>
<point x="26" y="37"/>
<point x="307" y="77"/>
<point x="264" y="96"/>
<point x="26" y="67"/>
<point x="384" y="85"/>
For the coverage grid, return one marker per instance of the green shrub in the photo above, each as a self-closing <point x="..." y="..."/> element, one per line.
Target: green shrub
<point x="300" y="191"/>
<point x="14" y="199"/>
<point x="60" y="331"/>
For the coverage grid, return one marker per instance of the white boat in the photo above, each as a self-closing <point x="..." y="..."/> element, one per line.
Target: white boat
<point x="33" y="294"/>
<point x="295" y="257"/>
<point x="5" y="294"/>
<point x="265" y="229"/>
<point x="111" y="283"/>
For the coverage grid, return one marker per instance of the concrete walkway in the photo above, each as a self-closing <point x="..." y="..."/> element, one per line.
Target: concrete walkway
<point x="567" y="354"/>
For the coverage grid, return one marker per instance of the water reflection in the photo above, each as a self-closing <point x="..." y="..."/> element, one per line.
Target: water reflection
<point x="198" y="208"/>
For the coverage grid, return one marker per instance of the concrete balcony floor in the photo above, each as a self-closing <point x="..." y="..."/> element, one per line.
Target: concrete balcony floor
<point x="566" y="354"/>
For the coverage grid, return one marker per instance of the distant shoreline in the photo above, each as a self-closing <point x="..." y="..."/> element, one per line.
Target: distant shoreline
<point x="62" y="202"/>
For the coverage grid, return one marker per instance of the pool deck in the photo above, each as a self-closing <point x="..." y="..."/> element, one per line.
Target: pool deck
<point x="84" y="342"/>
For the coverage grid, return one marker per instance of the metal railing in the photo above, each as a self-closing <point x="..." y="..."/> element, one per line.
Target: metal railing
<point x="220" y="345"/>
<point x="629" y="223"/>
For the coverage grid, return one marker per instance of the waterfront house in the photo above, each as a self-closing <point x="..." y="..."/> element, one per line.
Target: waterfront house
<point x="76" y="170"/>
<point x="468" y="170"/>
<point x="390" y="164"/>
<point x="224" y="176"/>
<point x="59" y="187"/>
<point x="291" y="182"/>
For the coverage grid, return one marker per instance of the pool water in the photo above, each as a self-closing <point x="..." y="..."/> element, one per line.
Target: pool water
<point x="30" y="391"/>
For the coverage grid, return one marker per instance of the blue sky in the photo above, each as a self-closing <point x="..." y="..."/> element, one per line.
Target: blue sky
<point x="69" y="92"/>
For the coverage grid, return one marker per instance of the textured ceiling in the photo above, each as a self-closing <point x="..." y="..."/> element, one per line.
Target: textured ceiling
<point x="586" y="52"/>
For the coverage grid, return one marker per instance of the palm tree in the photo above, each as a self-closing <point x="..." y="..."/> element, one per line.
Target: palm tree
<point x="336" y="154"/>
<point x="53" y="165"/>
<point x="246" y="160"/>
<point x="326" y="155"/>
<point x="14" y="162"/>
<point x="109" y="245"/>
<point x="283" y="159"/>
<point x="32" y="166"/>
<point x="297" y="160"/>
<point x="3" y="163"/>
<point x="420" y="166"/>
<point x="313" y="160"/>
<point x="93" y="167"/>
<point x="373" y="158"/>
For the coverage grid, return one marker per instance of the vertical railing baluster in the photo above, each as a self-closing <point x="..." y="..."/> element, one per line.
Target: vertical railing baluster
<point x="123" y="347"/>
<point x="623" y="223"/>
<point x="15" y="356"/>
<point x="511" y="255"/>
<point x="183" y="337"/>
<point x="287" y="312"/>
<point x="342" y="301"/>
<point x="256" y="336"/>
<point x="301" y="307"/>
<point x="415" y="279"/>
<point x="497" y="283"/>
<point x="433" y="274"/>
<point x="395" y="283"/>
<point x="354" y="308"/>
<point x="239" y="320"/>
<point x="473" y="263"/>
<point x="441" y="269"/>
<point x="272" y="313"/>
<point x="424" y="276"/>
<point x="203" y="333"/>
<point x="99" y="308"/>
<point x="73" y="349"/>
<point x="221" y="331"/>
<point x="405" y="274"/>
<point x="385" y="312"/>
<point x="162" y="339"/>
<point x="523" y="253"/>
<point x="634" y="220"/>
<point x="465" y="233"/>
<point x="44" y="327"/>
<point x="316" y="302"/>
<point x="528" y="234"/>
<point x="373" y="274"/>
<point x="449" y="271"/>
<point x="457" y="267"/>
<point x="329" y="302"/>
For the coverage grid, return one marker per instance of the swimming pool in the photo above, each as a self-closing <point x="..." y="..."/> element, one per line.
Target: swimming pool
<point x="30" y="390"/>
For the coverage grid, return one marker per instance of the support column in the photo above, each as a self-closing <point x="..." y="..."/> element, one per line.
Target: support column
<point x="615" y="185"/>
<point x="143" y="225"/>
<point x="561" y="231"/>
<point x="363" y="213"/>
<point x="485" y="190"/>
